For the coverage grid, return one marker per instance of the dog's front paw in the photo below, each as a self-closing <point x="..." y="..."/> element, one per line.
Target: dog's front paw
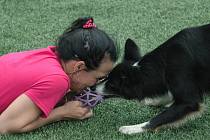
<point x="132" y="129"/>
<point x="127" y="130"/>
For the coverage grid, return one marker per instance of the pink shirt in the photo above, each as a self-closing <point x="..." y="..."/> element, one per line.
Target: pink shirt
<point x="37" y="74"/>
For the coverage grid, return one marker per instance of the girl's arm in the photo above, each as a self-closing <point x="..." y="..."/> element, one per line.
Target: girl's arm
<point x="68" y="111"/>
<point x="23" y="115"/>
<point x="20" y="112"/>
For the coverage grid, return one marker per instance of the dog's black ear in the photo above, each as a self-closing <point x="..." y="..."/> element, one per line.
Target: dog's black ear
<point x="131" y="53"/>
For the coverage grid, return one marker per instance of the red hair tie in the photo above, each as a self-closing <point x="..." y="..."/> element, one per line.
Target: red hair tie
<point x="89" y="24"/>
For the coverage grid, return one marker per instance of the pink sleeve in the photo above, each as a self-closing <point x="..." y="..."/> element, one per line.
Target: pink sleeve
<point x="47" y="92"/>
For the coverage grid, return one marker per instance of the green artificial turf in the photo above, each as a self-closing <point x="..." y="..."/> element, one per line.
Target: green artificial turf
<point x="30" y="24"/>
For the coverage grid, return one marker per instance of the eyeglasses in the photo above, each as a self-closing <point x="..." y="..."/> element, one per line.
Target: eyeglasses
<point x="101" y="79"/>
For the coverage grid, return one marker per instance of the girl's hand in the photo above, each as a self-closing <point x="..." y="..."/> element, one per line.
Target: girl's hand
<point x="75" y="110"/>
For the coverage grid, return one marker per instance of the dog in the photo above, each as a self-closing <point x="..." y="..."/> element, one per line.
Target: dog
<point x="176" y="74"/>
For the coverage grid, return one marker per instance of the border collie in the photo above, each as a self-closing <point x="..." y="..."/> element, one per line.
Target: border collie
<point x="175" y="74"/>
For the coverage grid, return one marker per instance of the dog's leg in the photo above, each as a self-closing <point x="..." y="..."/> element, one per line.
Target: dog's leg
<point x="173" y="116"/>
<point x="166" y="100"/>
<point x="132" y="129"/>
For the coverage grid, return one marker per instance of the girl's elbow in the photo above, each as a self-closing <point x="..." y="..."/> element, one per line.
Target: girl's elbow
<point x="8" y="128"/>
<point x="3" y="127"/>
<point x="4" y="131"/>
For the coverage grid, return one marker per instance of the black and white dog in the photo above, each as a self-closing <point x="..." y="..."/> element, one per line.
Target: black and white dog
<point x="175" y="74"/>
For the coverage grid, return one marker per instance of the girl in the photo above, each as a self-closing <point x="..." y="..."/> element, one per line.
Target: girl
<point x="33" y="82"/>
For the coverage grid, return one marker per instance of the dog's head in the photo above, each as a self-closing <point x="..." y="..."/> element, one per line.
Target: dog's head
<point x="122" y="79"/>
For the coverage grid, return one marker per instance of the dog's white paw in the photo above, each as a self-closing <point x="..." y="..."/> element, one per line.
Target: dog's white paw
<point x="132" y="129"/>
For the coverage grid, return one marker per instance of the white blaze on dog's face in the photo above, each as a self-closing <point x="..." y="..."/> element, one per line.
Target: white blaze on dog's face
<point x="118" y="82"/>
<point x="114" y="83"/>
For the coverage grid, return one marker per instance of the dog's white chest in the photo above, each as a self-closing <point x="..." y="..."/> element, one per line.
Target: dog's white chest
<point x="166" y="99"/>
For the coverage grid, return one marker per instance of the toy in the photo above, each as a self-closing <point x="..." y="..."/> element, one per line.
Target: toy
<point x="89" y="98"/>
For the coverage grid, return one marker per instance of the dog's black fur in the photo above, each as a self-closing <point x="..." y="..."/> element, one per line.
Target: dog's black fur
<point x="180" y="67"/>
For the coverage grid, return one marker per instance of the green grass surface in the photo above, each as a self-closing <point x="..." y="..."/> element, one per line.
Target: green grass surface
<point x="28" y="24"/>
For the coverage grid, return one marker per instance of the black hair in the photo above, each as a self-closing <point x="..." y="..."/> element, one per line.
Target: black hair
<point x="86" y="44"/>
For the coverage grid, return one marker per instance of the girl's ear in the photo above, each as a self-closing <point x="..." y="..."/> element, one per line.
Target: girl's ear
<point x="131" y="52"/>
<point x="79" y="65"/>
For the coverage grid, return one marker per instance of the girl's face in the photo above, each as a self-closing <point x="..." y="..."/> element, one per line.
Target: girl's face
<point x="84" y="78"/>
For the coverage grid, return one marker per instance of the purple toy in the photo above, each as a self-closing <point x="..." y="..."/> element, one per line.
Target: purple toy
<point x="89" y="98"/>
